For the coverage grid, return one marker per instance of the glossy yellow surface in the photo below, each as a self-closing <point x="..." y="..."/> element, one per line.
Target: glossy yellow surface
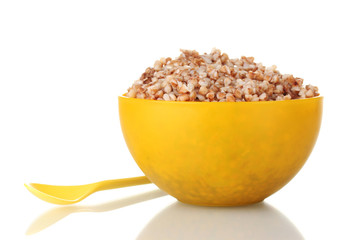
<point x="72" y="194"/>
<point x="220" y="154"/>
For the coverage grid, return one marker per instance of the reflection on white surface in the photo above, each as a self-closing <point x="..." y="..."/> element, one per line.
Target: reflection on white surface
<point x="182" y="221"/>
<point x="55" y="214"/>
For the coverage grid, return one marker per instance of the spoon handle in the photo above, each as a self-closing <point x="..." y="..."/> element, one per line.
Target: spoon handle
<point x="119" y="183"/>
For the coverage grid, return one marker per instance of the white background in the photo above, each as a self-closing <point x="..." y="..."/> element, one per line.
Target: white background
<point x="63" y="64"/>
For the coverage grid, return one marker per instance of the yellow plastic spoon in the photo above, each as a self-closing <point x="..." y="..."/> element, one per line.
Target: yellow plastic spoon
<point x="65" y="195"/>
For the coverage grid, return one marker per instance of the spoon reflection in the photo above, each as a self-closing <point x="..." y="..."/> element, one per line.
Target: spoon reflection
<point x="182" y="221"/>
<point x="55" y="214"/>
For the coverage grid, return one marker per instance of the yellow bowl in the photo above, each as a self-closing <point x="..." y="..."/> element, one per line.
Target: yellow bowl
<point x="220" y="153"/>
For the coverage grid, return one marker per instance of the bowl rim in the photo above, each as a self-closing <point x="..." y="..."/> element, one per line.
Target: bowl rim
<point x="317" y="98"/>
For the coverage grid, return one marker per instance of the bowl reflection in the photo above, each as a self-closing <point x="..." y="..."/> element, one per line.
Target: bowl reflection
<point x="182" y="221"/>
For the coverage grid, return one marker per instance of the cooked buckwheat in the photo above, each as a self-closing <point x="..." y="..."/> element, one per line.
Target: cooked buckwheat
<point x="216" y="78"/>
